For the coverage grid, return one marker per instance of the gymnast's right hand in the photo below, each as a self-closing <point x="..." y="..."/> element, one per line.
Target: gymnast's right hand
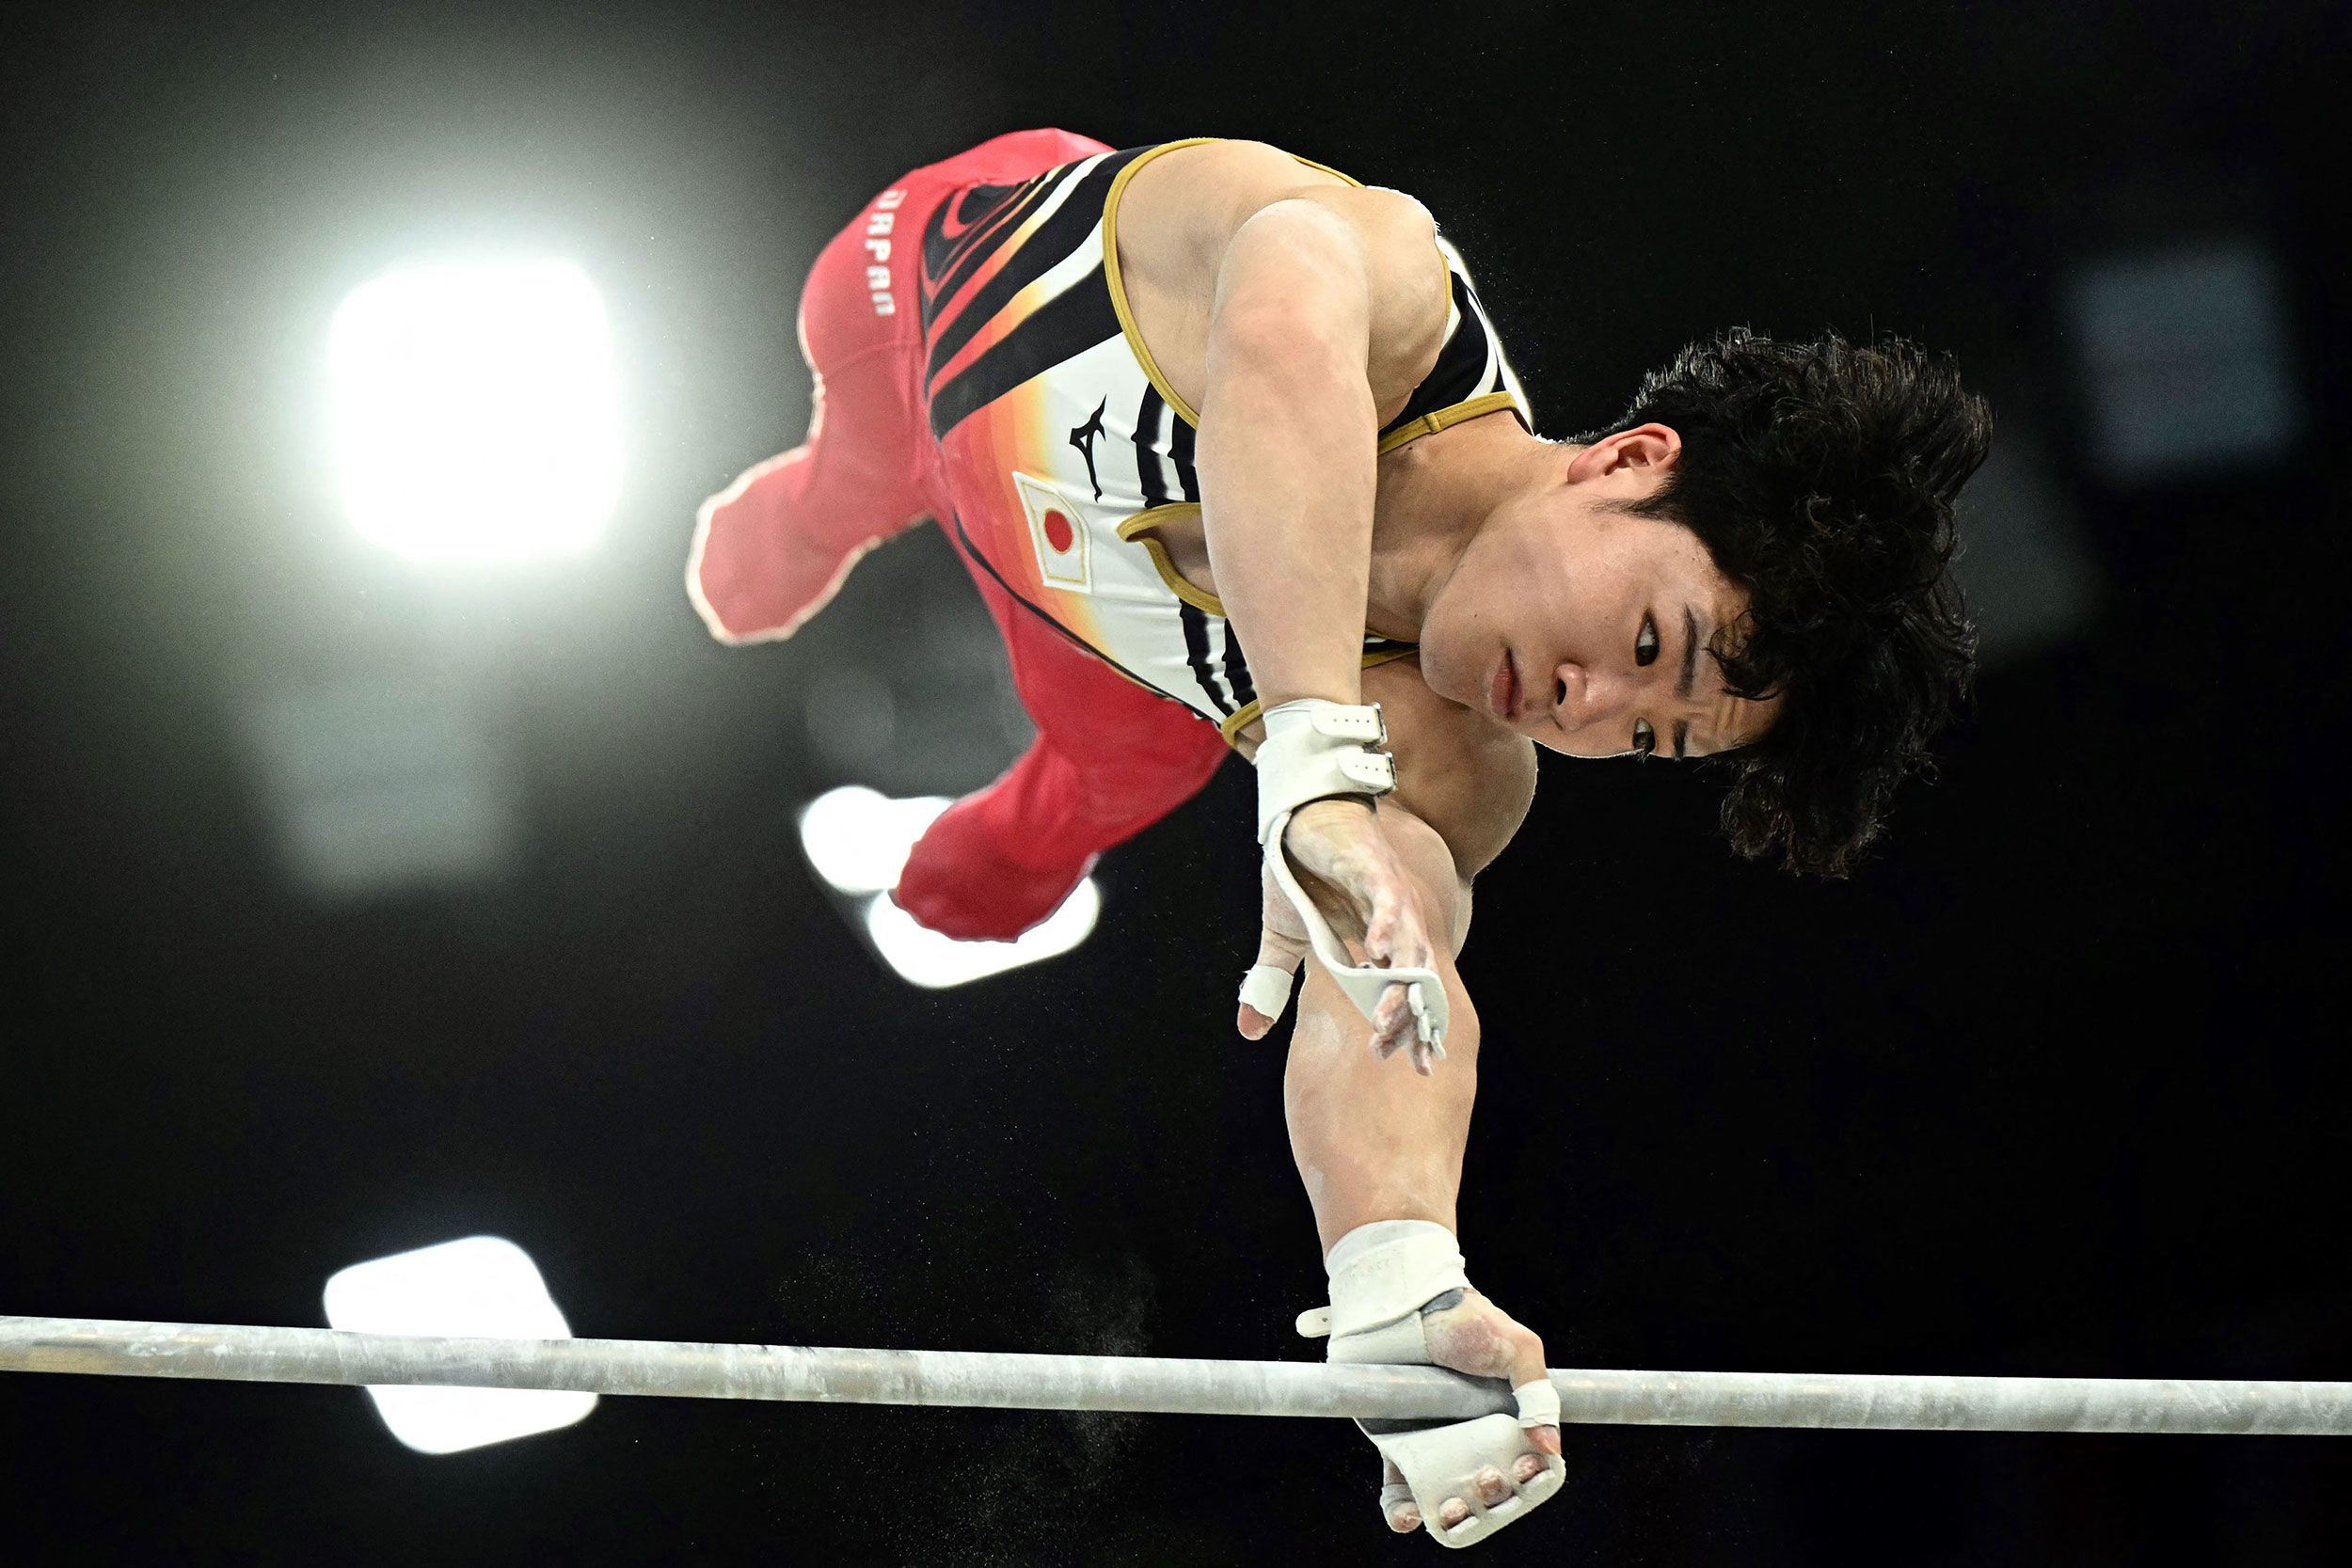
<point x="1399" y="1296"/>
<point x="1468" y="1333"/>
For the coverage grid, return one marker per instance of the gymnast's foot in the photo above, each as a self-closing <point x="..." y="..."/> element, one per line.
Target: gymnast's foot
<point x="963" y="881"/>
<point x="957" y="884"/>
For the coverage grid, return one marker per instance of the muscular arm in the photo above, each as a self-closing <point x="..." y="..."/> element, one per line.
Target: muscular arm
<point x="1373" y="1143"/>
<point x="1326" y="305"/>
<point x="1373" y="1139"/>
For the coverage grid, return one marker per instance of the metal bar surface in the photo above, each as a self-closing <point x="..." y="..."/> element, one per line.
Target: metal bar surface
<point x="110" y="1347"/>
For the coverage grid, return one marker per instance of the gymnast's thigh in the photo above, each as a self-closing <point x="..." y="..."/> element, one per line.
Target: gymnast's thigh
<point x="863" y="294"/>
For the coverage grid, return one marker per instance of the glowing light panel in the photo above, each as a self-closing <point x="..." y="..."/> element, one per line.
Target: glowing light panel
<point x="857" y="839"/>
<point x="475" y="411"/>
<point x="478" y="1285"/>
<point x="935" y="962"/>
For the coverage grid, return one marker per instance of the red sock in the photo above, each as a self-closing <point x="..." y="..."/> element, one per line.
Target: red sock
<point x="999" y="861"/>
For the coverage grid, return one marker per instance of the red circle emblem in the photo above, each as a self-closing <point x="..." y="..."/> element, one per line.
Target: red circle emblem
<point x="1057" y="532"/>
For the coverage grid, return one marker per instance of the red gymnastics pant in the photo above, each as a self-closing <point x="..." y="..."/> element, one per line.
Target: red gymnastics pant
<point x="1110" y="758"/>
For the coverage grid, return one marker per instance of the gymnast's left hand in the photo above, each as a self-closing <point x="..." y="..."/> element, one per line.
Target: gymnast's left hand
<point x="1357" y="880"/>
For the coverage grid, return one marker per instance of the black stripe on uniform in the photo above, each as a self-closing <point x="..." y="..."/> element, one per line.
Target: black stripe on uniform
<point x="1067" y="324"/>
<point x="1237" y="670"/>
<point x="976" y="211"/>
<point x="970" y="205"/>
<point x="1180" y="441"/>
<point x="1154" y="483"/>
<point x="1053" y="242"/>
<point x="1197" y="654"/>
<point x="1461" y="368"/>
<point x="963" y="255"/>
<point x="1496" y="381"/>
<point x="942" y="250"/>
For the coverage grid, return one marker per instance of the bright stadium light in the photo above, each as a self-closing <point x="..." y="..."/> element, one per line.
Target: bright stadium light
<point x="934" y="962"/>
<point x="857" y="839"/>
<point x="481" y="1285"/>
<point x="476" y="415"/>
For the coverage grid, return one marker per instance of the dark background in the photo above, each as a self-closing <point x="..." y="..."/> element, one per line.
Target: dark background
<point x="2048" y="1090"/>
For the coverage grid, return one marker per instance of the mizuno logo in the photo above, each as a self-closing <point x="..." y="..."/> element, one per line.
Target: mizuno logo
<point x="1083" y="438"/>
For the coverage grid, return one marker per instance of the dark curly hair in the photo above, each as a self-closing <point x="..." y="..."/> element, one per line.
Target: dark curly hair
<point x="1820" y="478"/>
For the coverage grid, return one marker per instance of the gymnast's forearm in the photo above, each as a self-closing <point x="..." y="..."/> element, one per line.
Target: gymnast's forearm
<point x="1287" y="471"/>
<point x="1373" y="1139"/>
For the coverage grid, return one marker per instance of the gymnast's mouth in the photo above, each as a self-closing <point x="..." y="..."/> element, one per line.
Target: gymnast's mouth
<point x="1502" y="691"/>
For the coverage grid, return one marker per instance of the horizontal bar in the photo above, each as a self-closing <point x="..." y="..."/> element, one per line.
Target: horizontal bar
<point x="108" y="1348"/>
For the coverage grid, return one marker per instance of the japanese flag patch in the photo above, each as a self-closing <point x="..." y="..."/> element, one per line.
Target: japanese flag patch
<point x="1057" y="533"/>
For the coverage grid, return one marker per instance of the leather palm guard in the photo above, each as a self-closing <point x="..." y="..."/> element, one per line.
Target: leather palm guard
<point x="1385" y="1276"/>
<point x="1315" y="750"/>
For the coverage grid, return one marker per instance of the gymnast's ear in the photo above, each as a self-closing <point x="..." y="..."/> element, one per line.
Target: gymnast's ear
<point x="1644" y="448"/>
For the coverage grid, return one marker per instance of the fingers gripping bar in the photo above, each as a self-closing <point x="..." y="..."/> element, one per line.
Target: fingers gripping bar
<point x="1387" y="1277"/>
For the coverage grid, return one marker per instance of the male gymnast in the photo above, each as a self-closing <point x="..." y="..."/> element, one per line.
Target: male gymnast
<point x="1224" y="435"/>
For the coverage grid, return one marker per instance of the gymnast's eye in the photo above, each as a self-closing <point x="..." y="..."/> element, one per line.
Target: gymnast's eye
<point x="1644" y="739"/>
<point x="1645" y="645"/>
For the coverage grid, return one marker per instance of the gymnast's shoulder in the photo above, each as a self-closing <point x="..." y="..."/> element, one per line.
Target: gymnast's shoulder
<point x="1458" y="770"/>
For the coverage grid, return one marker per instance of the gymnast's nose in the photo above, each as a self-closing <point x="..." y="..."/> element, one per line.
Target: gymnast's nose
<point x="1582" y="696"/>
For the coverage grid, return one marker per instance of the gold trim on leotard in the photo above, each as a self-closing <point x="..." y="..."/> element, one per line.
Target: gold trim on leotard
<point x="1119" y="287"/>
<point x="1138" y="531"/>
<point x="1428" y="424"/>
<point x="1249" y="713"/>
<point x="1140" y="528"/>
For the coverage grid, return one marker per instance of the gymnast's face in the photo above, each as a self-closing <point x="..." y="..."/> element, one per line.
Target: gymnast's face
<point x="1585" y="629"/>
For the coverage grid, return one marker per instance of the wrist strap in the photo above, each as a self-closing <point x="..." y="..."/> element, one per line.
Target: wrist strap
<point x="1385" y="1271"/>
<point x="1314" y="750"/>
